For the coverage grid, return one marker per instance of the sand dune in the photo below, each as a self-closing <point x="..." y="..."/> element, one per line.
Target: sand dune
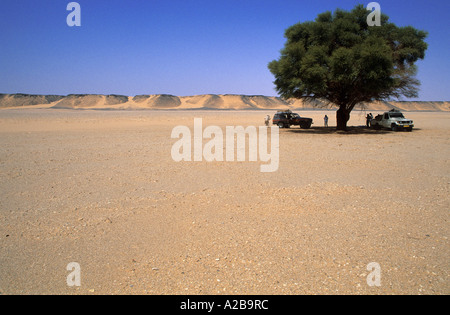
<point x="81" y="101"/>
<point x="420" y="106"/>
<point x="209" y="101"/>
<point x="157" y="101"/>
<point x="18" y="100"/>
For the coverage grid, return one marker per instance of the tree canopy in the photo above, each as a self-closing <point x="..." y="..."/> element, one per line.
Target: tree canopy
<point x="341" y="59"/>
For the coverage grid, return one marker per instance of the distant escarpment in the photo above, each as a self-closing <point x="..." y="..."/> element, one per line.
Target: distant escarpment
<point x="18" y="100"/>
<point x="208" y="101"/>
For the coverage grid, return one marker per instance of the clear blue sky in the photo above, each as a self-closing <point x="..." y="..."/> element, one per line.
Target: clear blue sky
<point x="181" y="47"/>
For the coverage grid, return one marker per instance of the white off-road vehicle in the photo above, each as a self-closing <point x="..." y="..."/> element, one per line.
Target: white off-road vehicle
<point x="393" y="120"/>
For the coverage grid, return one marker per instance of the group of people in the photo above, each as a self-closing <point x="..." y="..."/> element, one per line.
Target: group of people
<point x="369" y="119"/>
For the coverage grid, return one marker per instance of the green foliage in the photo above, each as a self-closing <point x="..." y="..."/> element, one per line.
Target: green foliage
<point x="339" y="58"/>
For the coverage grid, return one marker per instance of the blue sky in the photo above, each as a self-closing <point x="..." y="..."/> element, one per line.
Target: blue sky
<point x="181" y="47"/>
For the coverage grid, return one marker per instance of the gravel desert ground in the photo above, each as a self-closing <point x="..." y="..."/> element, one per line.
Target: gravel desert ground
<point x="101" y="189"/>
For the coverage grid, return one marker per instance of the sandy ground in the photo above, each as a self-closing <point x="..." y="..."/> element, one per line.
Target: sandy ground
<point x="100" y="188"/>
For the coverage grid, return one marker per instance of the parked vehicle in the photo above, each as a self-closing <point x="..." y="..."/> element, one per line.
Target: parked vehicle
<point x="393" y="120"/>
<point x="286" y="119"/>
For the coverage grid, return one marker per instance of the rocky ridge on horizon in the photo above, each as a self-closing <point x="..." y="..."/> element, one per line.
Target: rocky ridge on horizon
<point x="197" y="102"/>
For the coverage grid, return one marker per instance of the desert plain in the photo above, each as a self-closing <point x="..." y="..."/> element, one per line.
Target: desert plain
<point x="100" y="188"/>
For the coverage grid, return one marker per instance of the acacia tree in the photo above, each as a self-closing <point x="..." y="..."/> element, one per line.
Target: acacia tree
<point x="340" y="59"/>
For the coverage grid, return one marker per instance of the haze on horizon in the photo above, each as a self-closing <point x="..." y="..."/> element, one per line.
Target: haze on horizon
<point x="179" y="47"/>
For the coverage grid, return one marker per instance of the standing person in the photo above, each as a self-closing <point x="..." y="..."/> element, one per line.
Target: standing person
<point x="325" y="119"/>
<point x="267" y="120"/>
<point x="369" y="120"/>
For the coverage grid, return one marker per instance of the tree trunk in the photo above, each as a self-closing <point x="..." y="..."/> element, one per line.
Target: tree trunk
<point x="342" y="118"/>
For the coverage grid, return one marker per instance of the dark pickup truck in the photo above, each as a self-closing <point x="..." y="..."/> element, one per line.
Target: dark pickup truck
<point x="286" y="119"/>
